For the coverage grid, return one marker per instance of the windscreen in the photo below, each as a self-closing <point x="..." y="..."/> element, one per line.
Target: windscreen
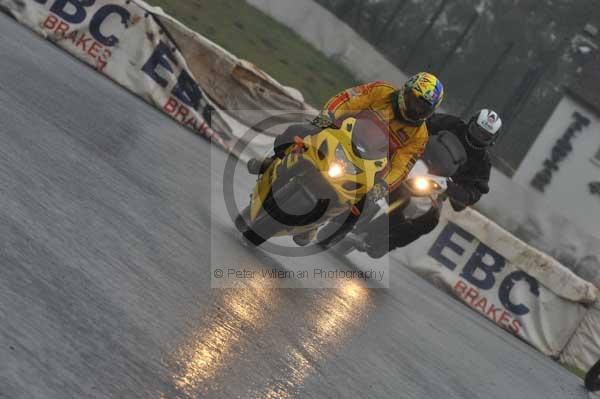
<point x="369" y="140"/>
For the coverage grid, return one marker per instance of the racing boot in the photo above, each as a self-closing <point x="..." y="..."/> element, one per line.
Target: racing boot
<point x="303" y="239"/>
<point x="358" y="241"/>
<point x="258" y="166"/>
<point x="376" y="247"/>
<point x="377" y="251"/>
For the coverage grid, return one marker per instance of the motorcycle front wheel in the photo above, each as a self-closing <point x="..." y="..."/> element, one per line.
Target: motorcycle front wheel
<point x="301" y="201"/>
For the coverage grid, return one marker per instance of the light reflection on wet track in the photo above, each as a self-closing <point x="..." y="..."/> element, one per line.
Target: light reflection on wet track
<point x="335" y="319"/>
<point x="208" y="351"/>
<point x="215" y="347"/>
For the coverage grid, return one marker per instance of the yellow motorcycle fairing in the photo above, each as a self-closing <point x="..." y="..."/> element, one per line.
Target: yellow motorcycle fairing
<point x="322" y="150"/>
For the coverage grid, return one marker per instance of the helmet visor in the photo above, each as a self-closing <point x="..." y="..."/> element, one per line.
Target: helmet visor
<point x="416" y="109"/>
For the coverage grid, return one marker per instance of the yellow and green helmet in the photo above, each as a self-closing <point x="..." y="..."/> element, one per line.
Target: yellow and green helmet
<point x="420" y="97"/>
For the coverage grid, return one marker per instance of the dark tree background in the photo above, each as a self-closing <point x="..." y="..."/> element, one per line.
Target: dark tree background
<point x="517" y="56"/>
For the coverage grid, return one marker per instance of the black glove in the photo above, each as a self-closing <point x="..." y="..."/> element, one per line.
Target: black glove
<point x="459" y="197"/>
<point x="324" y="120"/>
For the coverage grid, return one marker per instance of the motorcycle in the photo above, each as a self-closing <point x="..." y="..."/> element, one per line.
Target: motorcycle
<point x="319" y="178"/>
<point x="422" y="190"/>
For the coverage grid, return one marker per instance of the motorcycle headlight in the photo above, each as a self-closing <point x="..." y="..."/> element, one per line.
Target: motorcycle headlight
<point x="423" y="185"/>
<point x="336" y="169"/>
<point x="340" y="156"/>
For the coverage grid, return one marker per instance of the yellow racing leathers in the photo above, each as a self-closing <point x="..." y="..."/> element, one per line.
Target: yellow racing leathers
<point x="378" y="100"/>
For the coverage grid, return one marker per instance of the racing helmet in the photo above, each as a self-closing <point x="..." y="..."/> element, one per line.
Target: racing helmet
<point x="420" y="96"/>
<point x="484" y="128"/>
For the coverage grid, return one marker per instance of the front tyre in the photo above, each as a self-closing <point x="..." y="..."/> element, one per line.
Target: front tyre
<point x="263" y="228"/>
<point x="287" y="206"/>
<point x="241" y="221"/>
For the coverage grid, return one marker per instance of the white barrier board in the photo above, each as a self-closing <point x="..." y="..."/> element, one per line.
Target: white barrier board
<point x="122" y="40"/>
<point x="491" y="272"/>
<point x="583" y="351"/>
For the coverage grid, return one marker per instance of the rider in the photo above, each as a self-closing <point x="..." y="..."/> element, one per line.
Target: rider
<point x="468" y="184"/>
<point x="403" y="112"/>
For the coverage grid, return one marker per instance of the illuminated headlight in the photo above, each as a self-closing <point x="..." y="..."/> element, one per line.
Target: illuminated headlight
<point x="422" y="184"/>
<point x="336" y="169"/>
<point x="349" y="167"/>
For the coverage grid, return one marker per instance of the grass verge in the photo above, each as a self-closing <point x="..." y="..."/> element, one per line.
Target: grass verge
<point x="577" y="371"/>
<point x="250" y="34"/>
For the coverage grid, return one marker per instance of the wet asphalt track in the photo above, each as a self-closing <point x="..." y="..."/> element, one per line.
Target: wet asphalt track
<point x="105" y="270"/>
